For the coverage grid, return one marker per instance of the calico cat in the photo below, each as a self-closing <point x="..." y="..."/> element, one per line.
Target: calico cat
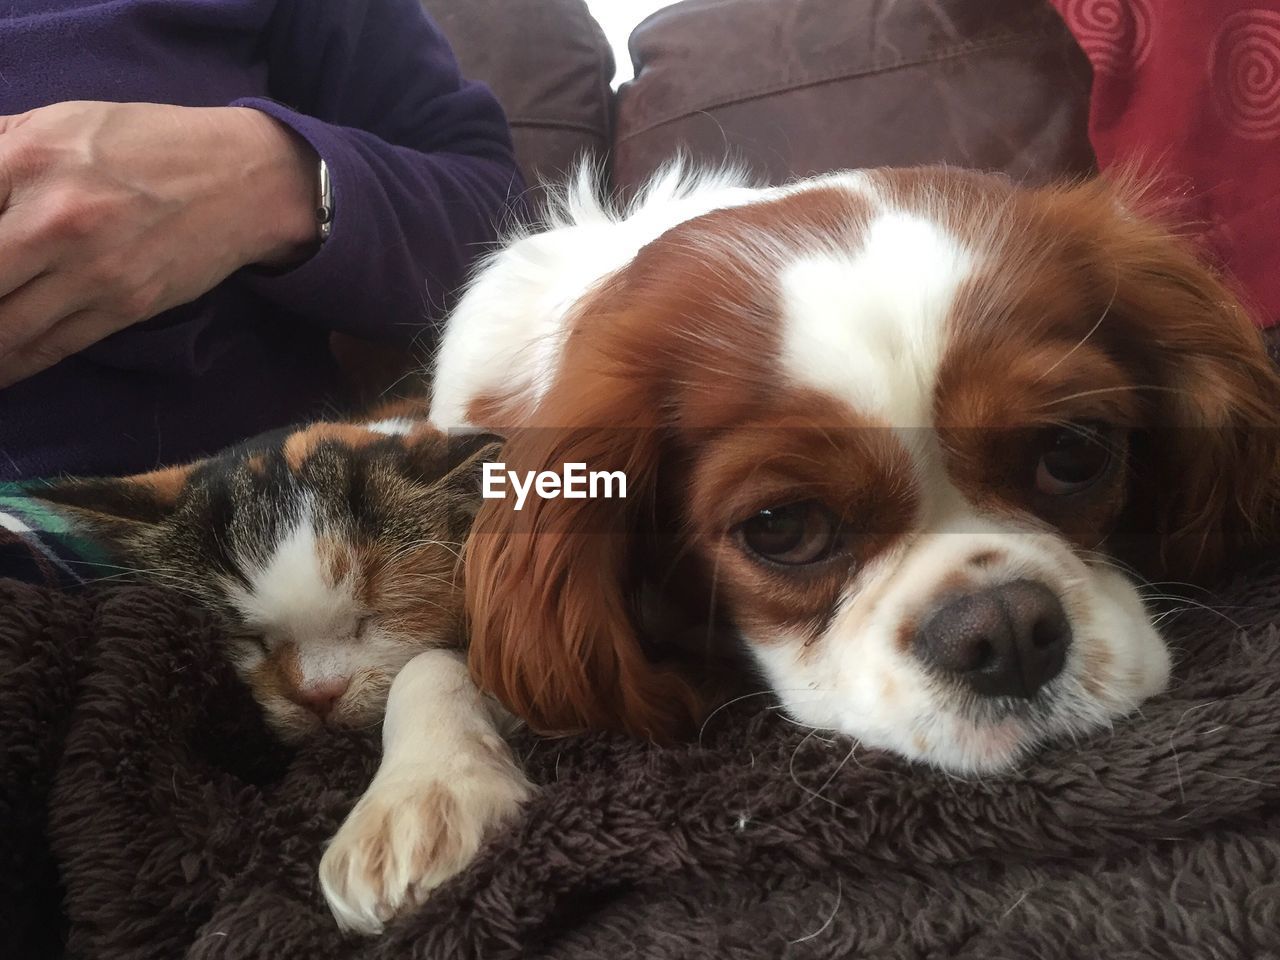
<point x="331" y="553"/>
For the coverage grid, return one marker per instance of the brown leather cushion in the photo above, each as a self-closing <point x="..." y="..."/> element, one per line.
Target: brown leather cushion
<point x="550" y="66"/>
<point x="796" y="87"/>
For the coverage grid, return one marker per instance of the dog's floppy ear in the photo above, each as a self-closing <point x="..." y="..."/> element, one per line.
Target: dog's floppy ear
<point x="1207" y="468"/>
<point x="551" y="588"/>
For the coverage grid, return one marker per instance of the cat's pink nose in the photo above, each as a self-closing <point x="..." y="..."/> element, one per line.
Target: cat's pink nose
<point x="320" y="696"/>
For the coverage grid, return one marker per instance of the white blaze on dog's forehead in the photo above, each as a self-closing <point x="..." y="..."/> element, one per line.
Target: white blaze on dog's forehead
<point x="869" y="326"/>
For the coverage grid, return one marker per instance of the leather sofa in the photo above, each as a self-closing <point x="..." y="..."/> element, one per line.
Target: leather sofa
<point x="786" y="87"/>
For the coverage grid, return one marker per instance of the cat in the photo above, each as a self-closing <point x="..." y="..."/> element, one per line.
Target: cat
<point x="331" y="555"/>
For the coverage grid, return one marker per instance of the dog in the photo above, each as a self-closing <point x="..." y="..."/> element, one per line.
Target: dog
<point x="914" y="427"/>
<point x="910" y="448"/>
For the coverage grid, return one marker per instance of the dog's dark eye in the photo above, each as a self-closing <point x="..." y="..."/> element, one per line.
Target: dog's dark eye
<point x="1072" y="458"/>
<point x="793" y="535"/>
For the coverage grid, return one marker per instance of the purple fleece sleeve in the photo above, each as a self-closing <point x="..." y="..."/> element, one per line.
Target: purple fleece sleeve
<point x="421" y="163"/>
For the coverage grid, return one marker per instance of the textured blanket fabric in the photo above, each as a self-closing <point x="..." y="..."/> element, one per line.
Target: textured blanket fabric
<point x="136" y="770"/>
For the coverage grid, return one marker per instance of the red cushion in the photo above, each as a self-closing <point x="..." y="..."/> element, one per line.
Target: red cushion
<point x="1192" y="90"/>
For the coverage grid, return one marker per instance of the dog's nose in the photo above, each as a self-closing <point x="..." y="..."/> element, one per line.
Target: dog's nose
<point x="1003" y="641"/>
<point x="320" y="696"/>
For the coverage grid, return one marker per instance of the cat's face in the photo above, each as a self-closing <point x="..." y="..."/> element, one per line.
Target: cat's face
<point x="331" y="552"/>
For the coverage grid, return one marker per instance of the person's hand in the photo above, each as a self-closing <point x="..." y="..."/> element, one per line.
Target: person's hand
<point x="112" y="213"/>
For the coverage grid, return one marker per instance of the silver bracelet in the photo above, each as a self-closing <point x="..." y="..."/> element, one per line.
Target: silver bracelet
<point x="324" y="206"/>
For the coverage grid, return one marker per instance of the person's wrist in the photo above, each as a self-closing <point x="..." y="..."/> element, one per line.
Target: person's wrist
<point x="282" y="180"/>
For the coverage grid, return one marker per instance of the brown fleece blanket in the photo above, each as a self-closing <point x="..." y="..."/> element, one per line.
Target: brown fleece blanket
<point x="147" y="813"/>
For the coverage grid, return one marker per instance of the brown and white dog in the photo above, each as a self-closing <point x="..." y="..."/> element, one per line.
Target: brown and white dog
<point x="916" y="436"/>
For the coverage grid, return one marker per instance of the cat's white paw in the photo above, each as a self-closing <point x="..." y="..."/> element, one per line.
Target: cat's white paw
<point x="413" y="829"/>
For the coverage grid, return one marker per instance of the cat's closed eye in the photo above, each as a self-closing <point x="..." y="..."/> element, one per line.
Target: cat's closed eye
<point x="247" y="639"/>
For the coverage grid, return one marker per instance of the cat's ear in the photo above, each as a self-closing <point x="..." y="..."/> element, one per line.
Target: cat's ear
<point x="120" y="511"/>
<point x="453" y="459"/>
<point x="468" y="454"/>
<point x="451" y="466"/>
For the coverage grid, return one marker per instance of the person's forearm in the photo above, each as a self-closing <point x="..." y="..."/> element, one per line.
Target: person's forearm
<point x="278" y="203"/>
<point x="111" y="213"/>
<point x="421" y="162"/>
<point x="407" y="224"/>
